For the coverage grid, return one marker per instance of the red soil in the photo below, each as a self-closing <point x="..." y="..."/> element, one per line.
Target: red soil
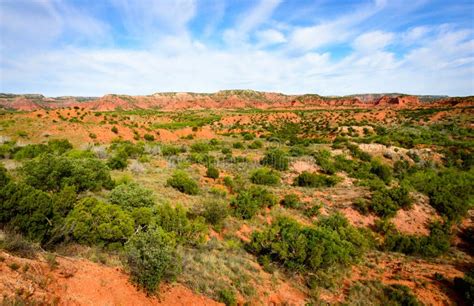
<point x="81" y="282"/>
<point x="223" y="100"/>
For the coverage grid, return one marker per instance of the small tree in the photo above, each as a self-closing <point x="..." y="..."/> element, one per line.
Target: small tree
<point x="151" y="257"/>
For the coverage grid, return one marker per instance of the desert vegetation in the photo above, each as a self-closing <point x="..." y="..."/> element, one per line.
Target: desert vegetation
<point x="237" y="205"/>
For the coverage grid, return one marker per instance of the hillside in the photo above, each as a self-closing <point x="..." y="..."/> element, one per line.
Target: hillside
<point x="225" y="99"/>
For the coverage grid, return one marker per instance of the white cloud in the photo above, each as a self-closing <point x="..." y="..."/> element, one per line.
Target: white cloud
<point x="41" y="23"/>
<point x="415" y="35"/>
<point x="372" y="41"/>
<point x="308" y="38"/>
<point x="331" y="32"/>
<point x="258" y="15"/>
<point x="439" y="60"/>
<point x="270" y="37"/>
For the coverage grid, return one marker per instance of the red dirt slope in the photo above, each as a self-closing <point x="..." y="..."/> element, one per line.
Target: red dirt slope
<point x="80" y="282"/>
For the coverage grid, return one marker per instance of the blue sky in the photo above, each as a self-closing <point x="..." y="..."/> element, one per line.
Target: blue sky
<point x="95" y="47"/>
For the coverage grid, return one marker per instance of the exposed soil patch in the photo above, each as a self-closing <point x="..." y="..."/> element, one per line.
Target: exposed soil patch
<point x="81" y="282"/>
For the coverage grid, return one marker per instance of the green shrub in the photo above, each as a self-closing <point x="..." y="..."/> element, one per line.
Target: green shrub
<point x="367" y="292"/>
<point x="212" y="172"/>
<point x="215" y="213"/>
<point x="451" y="191"/>
<point x="52" y="172"/>
<point x="276" y="159"/>
<point x="386" y="202"/>
<point x="200" y="147"/>
<point x="291" y="200"/>
<point x="183" y="183"/>
<point x="323" y="159"/>
<point x="361" y="205"/>
<point x="435" y="244"/>
<point x="176" y="220"/>
<point x="257" y="144"/>
<point x="226" y="151"/>
<point x="4" y="176"/>
<point x="249" y="201"/>
<point x="169" y="150"/>
<point x="357" y="152"/>
<point x="227" y="297"/>
<point x="118" y="161"/>
<point x="238" y="145"/>
<point x="149" y="137"/>
<point x="95" y="222"/>
<point x="27" y="210"/>
<point x="249" y="136"/>
<point x="143" y="216"/>
<point x="309" y="248"/>
<point x="384" y="172"/>
<point x="265" y="176"/>
<point x="132" y="195"/>
<point x="151" y="257"/>
<point x="308" y="179"/>
<point x="114" y="129"/>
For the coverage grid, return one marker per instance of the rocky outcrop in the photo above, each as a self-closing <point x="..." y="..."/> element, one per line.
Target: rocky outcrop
<point x="227" y="99"/>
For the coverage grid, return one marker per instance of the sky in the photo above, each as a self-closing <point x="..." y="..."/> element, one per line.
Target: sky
<point x="328" y="47"/>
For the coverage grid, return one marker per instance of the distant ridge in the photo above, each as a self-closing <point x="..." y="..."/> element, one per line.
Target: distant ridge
<point x="227" y="99"/>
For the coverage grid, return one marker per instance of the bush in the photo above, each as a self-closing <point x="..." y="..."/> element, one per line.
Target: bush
<point x="200" y="147"/>
<point x="276" y="159"/>
<point x="309" y="248"/>
<point x="51" y="173"/>
<point x="247" y="202"/>
<point x="118" y="161"/>
<point x="212" y="172"/>
<point x="169" y="150"/>
<point x="257" y="144"/>
<point x="384" y="172"/>
<point x="451" y="191"/>
<point x="357" y="152"/>
<point x="151" y="257"/>
<point x="323" y="159"/>
<point x="26" y="210"/>
<point x="215" y="213"/>
<point x="4" y="176"/>
<point x="132" y="195"/>
<point x="361" y="205"/>
<point x="227" y="297"/>
<point x="249" y="136"/>
<point x="435" y="244"/>
<point x="386" y="202"/>
<point x="183" y="183"/>
<point x="375" y="293"/>
<point x="265" y="176"/>
<point x="95" y="222"/>
<point x="149" y="137"/>
<point x="114" y="129"/>
<point x="308" y="179"/>
<point x="238" y="145"/>
<point x="291" y="200"/>
<point x="176" y="220"/>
